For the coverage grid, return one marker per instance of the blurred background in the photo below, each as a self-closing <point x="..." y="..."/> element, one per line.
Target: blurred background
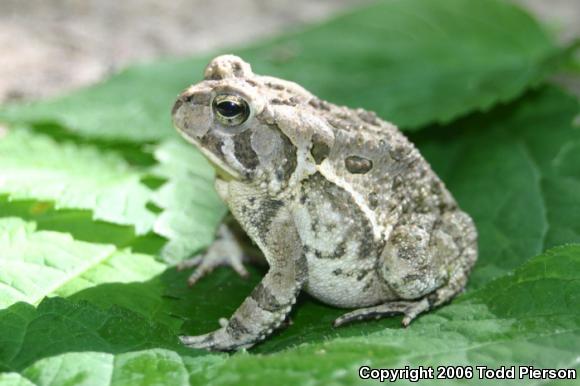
<point x="50" y="47"/>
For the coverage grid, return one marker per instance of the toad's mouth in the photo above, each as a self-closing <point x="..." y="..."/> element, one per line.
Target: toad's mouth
<point x="223" y="170"/>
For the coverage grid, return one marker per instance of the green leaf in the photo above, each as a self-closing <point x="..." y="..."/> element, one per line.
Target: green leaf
<point x="191" y="208"/>
<point x="35" y="264"/>
<point x="79" y="176"/>
<point x="80" y="225"/>
<point x="92" y="368"/>
<point x="529" y="317"/>
<point x="516" y="172"/>
<point x="150" y="367"/>
<point x="14" y="379"/>
<point x="413" y="61"/>
<point x="515" y="169"/>
<point x="59" y="326"/>
<point x="74" y="177"/>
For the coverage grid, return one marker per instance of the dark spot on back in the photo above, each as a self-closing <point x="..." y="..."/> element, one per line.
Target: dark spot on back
<point x="399" y="152"/>
<point x="293" y="101"/>
<point x="358" y="165"/>
<point x="368" y="117"/>
<point x="362" y="275"/>
<point x="279" y="175"/>
<point x="368" y="285"/>
<point x="319" y="104"/>
<point x="339" y="251"/>
<point x="275" y="86"/>
<point x="251" y="82"/>
<point x="320" y="149"/>
<point x="373" y="200"/>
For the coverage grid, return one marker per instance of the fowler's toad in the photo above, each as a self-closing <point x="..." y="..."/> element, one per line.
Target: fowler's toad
<point x="340" y="203"/>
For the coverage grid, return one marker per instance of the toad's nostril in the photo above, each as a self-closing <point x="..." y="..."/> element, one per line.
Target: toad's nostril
<point x="177" y="105"/>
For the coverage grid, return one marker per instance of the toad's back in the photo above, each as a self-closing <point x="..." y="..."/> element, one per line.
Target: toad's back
<point x="381" y="168"/>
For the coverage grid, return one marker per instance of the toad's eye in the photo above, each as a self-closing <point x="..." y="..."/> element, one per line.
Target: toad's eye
<point x="230" y="110"/>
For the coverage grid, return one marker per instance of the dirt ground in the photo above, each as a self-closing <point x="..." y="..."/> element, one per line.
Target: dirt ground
<point x="50" y="47"/>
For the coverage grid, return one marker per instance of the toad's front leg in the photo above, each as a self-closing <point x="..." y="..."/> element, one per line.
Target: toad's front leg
<point x="272" y="299"/>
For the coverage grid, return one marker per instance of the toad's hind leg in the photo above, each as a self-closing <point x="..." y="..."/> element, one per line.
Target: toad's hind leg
<point x="409" y="308"/>
<point x="426" y="263"/>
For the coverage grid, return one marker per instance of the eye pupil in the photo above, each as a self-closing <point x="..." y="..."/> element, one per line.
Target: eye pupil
<point x="229" y="108"/>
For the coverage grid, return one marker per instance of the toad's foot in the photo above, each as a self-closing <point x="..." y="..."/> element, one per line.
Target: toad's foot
<point x="219" y="340"/>
<point x="225" y="250"/>
<point x="411" y="309"/>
